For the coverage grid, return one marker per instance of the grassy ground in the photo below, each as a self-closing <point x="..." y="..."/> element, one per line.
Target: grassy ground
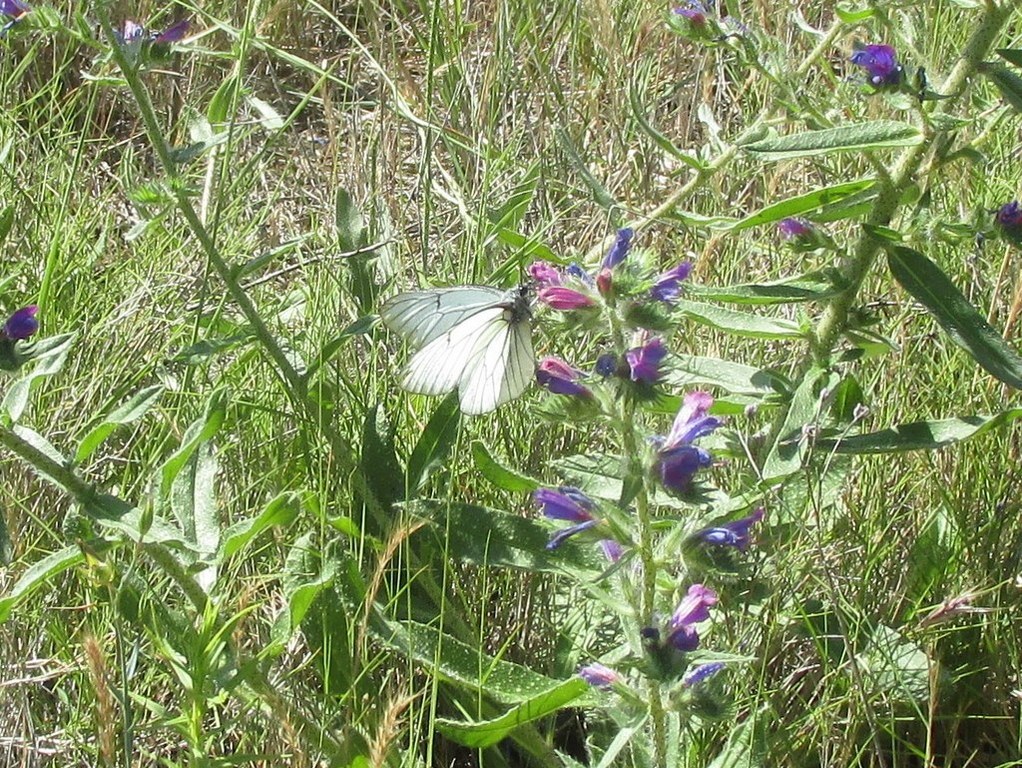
<point x="437" y="118"/>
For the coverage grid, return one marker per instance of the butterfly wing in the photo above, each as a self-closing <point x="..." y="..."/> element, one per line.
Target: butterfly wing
<point x="475" y="338"/>
<point x="421" y="316"/>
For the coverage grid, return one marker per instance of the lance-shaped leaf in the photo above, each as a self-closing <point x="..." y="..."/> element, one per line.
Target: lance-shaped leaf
<point x="812" y="286"/>
<point x="949" y="307"/>
<point x="810" y="201"/>
<point x="918" y="435"/>
<point x="859" y="137"/>
<point x="738" y="323"/>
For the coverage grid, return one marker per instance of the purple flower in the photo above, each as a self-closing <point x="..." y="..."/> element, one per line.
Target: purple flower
<point x="559" y="297"/>
<point x="612" y="550"/>
<point x="792" y="228"/>
<point x="606" y="364"/>
<point x="694" y="11"/>
<point x="560" y="378"/>
<point x="644" y="362"/>
<point x="881" y="64"/>
<point x="620" y="250"/>
<point x="21" y="324"/>
<point x="694" y="608"/>
<point x="733" y="534"/>
<point x="545" y="274"/>
<point x="1009" y="220"/>
<point x="701" y="673"/>
<point x="171" y="34"/>
<point x="598" y="675"/>
<point x="677" y="459"/>
<point x="14" y="9"/>
<point x="667" y="287"/>
<point x="569" y="504"/>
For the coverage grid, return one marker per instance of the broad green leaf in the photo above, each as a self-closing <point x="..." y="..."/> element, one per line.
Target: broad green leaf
<point x="812" y="286"/>
<point x="494" y="538"/>
<point x="132" y="410"/>
<point x="221" y="104"/>
<point x="919" y="435"/>
<point x="198" y="432"/>
<point x="810" y="201"/>
<point x="49" y="355"/>
<point x="785" y="457"/>
<point x="1007" y="82"/>
<point x="530" y="248"/>
<point x="857" y="137"/>
<point x="282" y="510"/>
<point x="1011" y="55"/>
<point x="599" y="476"/>
<point x="379" y="464"/>
<point x="44" y="446"/>
<point x="305" y="576"/>
<point x="746" y="745"/>
<point x="683" y="371"/>
<point x="461" y="664"/>
<point x="488" y="732"/>
<point x="193" y="501"/>
<point x="38" y="574"/>
<point x="502" y="477"/>
<point x="738" y="323"/>
<point x="962" y="322"/>
<point x="512" y="212"/>
<point x="351" y="234"/>
<point x="897" y="667"/>
<point x="435" y="443"/>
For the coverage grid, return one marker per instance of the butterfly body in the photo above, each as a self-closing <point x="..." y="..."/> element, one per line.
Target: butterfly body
<point x="472" y="338"/>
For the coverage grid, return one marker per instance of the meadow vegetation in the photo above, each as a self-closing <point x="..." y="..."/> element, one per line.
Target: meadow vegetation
<point x="229" y="537"/>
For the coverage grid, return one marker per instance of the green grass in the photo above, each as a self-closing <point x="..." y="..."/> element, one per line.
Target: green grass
<point x="434" y="117"/>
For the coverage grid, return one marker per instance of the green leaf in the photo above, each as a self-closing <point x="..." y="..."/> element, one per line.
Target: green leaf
<point x="220" y="105"/>
<point x="1006" y="81"/>
<point x="918" y="435"/>
<point x="529" y="248"/>
<point x="685" y="370"/>
<point x="502" y="477"/>
<point x="193" y="501"/>
<point x="786" y="454"/>
<point x="6" y="222"/>
<point x="281" y="511"/>
<point x="379" y="464"/>
<point x="966" y="326"/>
<point x="198" y="432"/>
<point x="599" y="476"/>
<point x="132" y="410"/>
<point x="897" y="668"/>
<point x="668" y="146"/>
<point x="305" y="576"/>
<point x="38" y="574"/>
<point x="43" y="445"/>
<point x="351" y="234"/>
<point x="49" y="355"/>
<point x="810" y="201"/>
<point x="494" y="538"/>
<point x="812" y="286"/>
<point x="738" y="323"/>
<point x="746" y="743"/>
<point x="488" y="732"/>
<point x="461" y="664"/>
<point x="435" y="443"/>
<point x="1011" y="55"/>
<point x="858" y="137"/>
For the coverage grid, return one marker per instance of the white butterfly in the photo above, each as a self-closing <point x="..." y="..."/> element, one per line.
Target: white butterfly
<point x="475" y="338"/>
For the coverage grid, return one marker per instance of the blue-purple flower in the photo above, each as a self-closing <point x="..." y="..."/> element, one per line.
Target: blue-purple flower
<point x="612" y="550"/>
<point x="694" y="608"/>
<point x="598" y="675"/>
<point x="677" y="459"/>
<point x="881" y="64"/>
<point x="21" y="324"/>
<point x="560" y="378"/>
<point x="569" y="504"/>
<point x="622" y="245"/>
<point x="544" y="274"/>
<point x="701" y="673"/>
<point x="1009" y="221"/>
<point x="792" y="228"/>
<point x="667" y="287"/>
<point x="644" y="362"/>
<point x="694" y="12"/>
<point x="733" y="534"/>
<point x="561" y="297"/>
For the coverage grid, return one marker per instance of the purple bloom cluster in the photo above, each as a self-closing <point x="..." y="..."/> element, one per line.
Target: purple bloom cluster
<point x="554" y="293"/>
<point x="644" y="361"/>
<point x="677" y="458"/>
<point x="694" y="608"/>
